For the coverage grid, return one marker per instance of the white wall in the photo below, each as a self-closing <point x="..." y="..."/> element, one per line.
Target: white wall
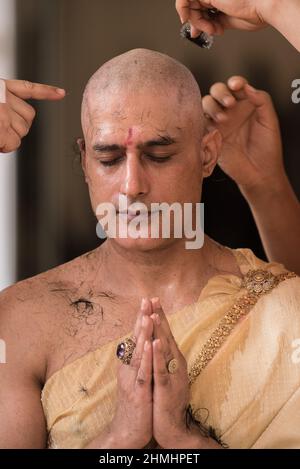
<point x="7" y="162"/>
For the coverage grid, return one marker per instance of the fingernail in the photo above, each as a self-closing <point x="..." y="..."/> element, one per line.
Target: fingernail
<point x="155" y="301"/>
<point x="221" y="117"/>
<point x="144" y="303"/>
<point x="228" y="100"/>
<point x="157" y="344"/>
<point x="233" y="83"/>
<point x="60" y="91"/>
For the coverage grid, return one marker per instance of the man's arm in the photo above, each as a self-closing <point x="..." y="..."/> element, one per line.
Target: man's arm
<point x="22" y="421"/>
<point x="252" y="157"/>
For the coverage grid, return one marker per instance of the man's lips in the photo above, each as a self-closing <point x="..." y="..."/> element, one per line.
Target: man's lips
<point x="131" y="215"/>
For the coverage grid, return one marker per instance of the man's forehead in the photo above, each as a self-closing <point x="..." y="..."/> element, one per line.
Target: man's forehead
<point x="139" y="106"/>
<point x="141" y="123"/>
<point x="110" y="131"/>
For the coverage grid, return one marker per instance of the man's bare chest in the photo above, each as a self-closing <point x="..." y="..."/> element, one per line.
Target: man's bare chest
<point x="86" y="323"/>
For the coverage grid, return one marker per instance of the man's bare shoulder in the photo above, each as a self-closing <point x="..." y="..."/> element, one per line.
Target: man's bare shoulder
<point x="33" y="310"/>
<point x="36" y="291"/>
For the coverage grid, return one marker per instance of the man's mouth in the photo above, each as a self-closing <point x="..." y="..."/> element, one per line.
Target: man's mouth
<point x="130" y="215"/>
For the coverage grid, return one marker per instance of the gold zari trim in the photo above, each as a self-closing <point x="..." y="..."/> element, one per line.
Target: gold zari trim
<point x="258" y="283"/>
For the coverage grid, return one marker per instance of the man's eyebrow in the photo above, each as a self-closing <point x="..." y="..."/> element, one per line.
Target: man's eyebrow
<point x="157" y="142"/>
<point x="106" y="148"/>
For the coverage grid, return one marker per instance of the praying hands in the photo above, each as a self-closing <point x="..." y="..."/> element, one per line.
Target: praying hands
<point x="153" y="389"/>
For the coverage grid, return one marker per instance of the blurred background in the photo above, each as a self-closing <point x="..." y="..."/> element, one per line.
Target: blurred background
<point x="45" y="215"/>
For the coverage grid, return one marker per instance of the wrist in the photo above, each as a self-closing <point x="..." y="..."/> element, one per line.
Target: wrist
<point x="271" y="11"/>
<point x="119" y="438"/>
<point x="191" y="439"/>
<point x="266" y="188"/>
<point x="105" y="441"/>
<point x="196" y="441"/>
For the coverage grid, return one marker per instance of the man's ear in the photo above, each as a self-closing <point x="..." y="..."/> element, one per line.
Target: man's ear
<point x="211" y="151"/>
<point x="81" y="146"/>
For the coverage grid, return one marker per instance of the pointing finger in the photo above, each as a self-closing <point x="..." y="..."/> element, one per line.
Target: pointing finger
<point x="28" y="90"/>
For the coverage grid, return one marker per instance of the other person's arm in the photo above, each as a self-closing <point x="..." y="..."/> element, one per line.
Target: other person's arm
<point x="252" y="157"/>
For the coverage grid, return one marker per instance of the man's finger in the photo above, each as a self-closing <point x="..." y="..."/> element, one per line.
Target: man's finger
<point x="157" y="309"/>
<point x="2" y="92"/>
<point x="144" y="376"/>
<point x="160" y="371"/>
<point x="145" y="334"/>
<point x="159" y="333"/>
<point x="145" y="310"/>
<point x="28" y="90"/>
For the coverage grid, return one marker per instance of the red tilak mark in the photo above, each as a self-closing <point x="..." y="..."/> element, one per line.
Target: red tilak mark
<point x="129" y="138"/>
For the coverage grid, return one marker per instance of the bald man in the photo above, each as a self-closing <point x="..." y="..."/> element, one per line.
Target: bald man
<point x="188" y="326"/>
<point x="266" y="186"/>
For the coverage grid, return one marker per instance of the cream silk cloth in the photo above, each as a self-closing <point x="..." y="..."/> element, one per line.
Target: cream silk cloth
<point x="250" y="388"/>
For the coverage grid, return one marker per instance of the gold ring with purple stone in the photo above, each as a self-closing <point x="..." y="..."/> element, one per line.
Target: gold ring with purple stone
<point x="125" y="350"/>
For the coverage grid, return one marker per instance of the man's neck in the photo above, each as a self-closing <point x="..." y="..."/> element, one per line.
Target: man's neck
<point x="161" y="272"/>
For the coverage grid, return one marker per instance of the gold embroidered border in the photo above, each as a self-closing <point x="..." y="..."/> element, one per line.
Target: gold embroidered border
<point x="258" y="283"/>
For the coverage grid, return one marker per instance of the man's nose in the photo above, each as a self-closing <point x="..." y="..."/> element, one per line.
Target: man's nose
<point x="134" y="181"/>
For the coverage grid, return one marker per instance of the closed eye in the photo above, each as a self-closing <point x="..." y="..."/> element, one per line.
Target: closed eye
<point x="111" y="162"/>
<point x="156" y="159"/>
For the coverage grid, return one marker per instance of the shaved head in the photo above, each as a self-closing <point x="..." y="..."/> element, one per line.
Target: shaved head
<point x="137" y="73"/>
<point x="144" y="135"/>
